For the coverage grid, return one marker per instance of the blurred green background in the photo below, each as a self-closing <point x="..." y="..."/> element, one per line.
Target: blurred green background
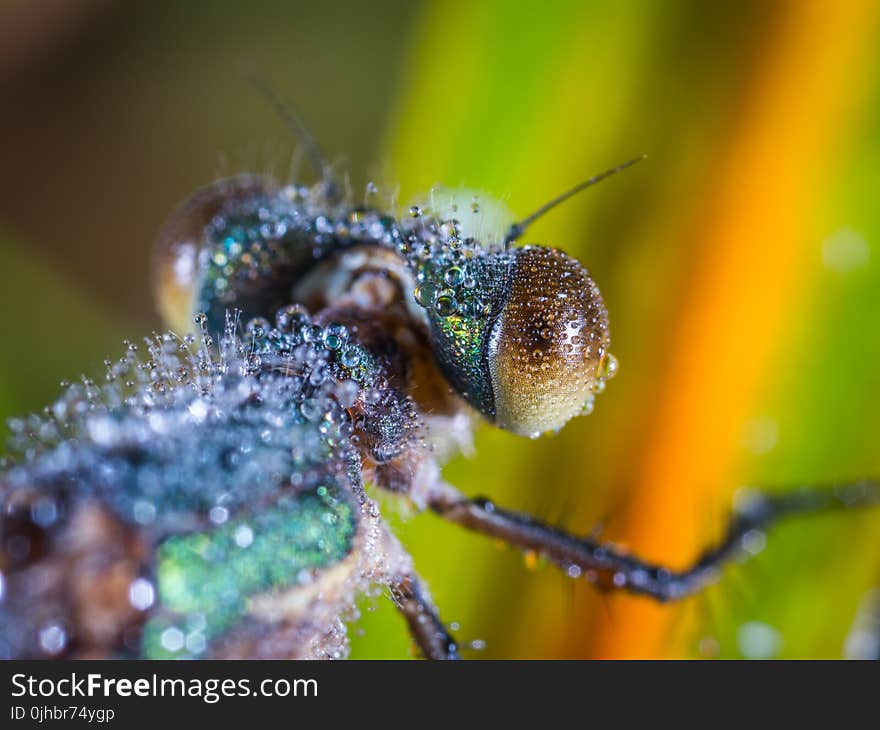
<point x="740" y="262"/>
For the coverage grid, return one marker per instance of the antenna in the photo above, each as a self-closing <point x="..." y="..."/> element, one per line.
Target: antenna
<point x="517" y="229"/>
<point x="293" y="122"/>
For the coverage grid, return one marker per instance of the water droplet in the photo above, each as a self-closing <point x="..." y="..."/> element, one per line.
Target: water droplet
<point x="453" y="276"/>
<point x="53" y="639"/>
<point x="334" y="336"/>
<point x="257" y="328"/>
<point x="607" y="367"/>
<point x="757" y="640"/>
<point x="754" y="541"/>
<point x="358" y="374"/>
<point x="473" y="306"/>
<point x="244" y="536"/>
<point x="172" y="639"/>
<point x="446" y="303"/>
<point x="144" y="512"/>
<point x="350" y="357"/>
<point x="290" y="318"/>
<point x="310" y="409"/>
<point x="425" y="293"/>
<point x="141" y="594"/>
<point x="218" y="515"/>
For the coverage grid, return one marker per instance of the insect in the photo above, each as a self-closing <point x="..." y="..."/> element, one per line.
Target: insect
<point x="207" y="499"/>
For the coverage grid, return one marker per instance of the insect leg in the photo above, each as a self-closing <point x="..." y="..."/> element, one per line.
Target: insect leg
<point x="427" y="629"/>
<point x="613" y="569"/>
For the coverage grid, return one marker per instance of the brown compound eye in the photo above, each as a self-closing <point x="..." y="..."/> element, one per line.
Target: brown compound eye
<point x="548" y="352"/>
<point x="178" y="251"/>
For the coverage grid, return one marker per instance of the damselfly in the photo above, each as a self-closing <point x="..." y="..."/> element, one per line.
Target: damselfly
<point x="207" y="499"/>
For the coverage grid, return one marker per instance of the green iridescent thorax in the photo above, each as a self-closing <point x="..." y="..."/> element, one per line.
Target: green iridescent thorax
<point x="205" y="580"/>
<point x="251" y="250"/>
<point x="261" y="242"/>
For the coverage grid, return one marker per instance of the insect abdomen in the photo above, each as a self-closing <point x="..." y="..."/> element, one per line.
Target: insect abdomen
<point x="146" y="513"/>
<point x="206" y="580"/>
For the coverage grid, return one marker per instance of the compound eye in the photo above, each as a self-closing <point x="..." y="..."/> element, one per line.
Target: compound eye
<point x="179" y="251"/>
<point x="548" y="352"/>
